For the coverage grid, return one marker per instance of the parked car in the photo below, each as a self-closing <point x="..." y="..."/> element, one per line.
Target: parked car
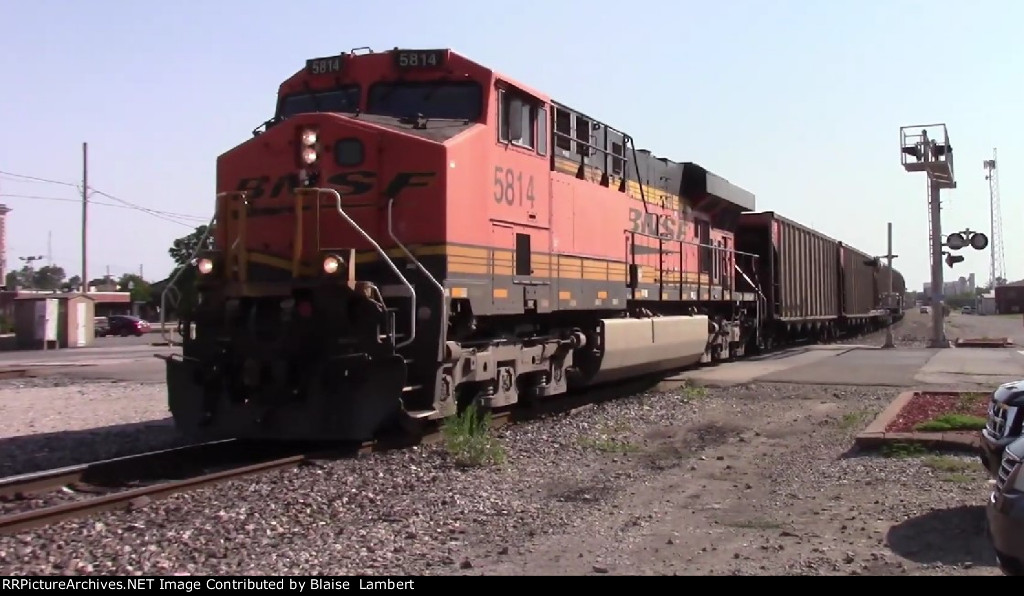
<point x="967" y="310"/>
<point x="101" y="326"/>
<point x="1005" y="419"/>
<point x="125" y="325"/>
<point x="924" y="310"/>
<point x="1005" y="511"/>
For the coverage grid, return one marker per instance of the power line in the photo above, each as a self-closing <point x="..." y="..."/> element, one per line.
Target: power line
<point x="164" y="215"/>
<point x="66" y="199"/>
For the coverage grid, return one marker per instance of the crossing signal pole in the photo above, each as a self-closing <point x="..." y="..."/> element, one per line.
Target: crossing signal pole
<point x="927" y="149"/>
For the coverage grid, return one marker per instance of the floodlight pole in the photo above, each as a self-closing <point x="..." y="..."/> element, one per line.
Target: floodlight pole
<point x="939" y="339"/>
<point x="932" y="154"/>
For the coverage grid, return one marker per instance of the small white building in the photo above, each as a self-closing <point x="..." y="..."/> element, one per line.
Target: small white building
<point x="987" y="304"/>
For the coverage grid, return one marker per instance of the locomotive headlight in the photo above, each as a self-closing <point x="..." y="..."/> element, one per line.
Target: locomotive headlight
<point x="309" y="137"/>
<point x="205" y="266"/>
<point x="331" y="265"/>
<point x="309" y="155"/>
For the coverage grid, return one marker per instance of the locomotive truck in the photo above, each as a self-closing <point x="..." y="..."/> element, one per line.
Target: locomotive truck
<point x="413" y="232"/>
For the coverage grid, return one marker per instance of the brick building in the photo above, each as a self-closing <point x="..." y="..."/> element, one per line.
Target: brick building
<point x="1010" y="298"/>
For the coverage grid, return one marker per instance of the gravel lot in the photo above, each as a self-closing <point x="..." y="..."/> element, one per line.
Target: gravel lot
<point x="53" y="421"/>
<point x="746" y="480"/>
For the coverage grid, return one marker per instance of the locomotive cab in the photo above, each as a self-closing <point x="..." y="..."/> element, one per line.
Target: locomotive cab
<point x="313" y="313"/>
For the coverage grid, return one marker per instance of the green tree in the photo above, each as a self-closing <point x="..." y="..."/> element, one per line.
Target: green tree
<point x="18" y="279"/>
<point x="49" y="277"/>
<point x="183" y="248"/>
<point x="139" y="288"/>
<point x="181" y="252"/>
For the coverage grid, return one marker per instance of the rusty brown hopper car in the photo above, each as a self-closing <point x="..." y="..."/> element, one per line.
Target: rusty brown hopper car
<point x="860" y="296"/>
<point x="800" y="277"/>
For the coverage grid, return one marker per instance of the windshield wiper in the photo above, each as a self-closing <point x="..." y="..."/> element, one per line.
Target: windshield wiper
<point x="265" y="126"/>
<point x="312" y="97"/>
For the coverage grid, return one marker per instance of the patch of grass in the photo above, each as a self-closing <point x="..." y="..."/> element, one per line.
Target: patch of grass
<point x="951" y="422"/>
<point x="468" y="439"/>
<point x="853" y="420"/>
<point x="951" y="469"/>
<point x="607" y="445"/>
<point x="690" y="391"/>
<point x="897" y="450"/>
<point x="944" y="463"/>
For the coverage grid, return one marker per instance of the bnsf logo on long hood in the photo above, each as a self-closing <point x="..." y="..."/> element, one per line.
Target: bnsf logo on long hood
<point x="348" y="184"/>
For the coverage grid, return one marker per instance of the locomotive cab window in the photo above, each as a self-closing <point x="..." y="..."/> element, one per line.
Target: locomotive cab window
<point x="517" y="120"/>
<point x="344" y="99"/>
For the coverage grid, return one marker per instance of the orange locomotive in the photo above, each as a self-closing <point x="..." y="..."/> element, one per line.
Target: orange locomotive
<point x="413" y="232"/>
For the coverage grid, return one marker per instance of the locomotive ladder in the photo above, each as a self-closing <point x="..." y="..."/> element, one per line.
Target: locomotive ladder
<point x="402" y="278"/>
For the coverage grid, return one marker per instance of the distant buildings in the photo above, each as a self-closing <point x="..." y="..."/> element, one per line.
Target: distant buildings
<point x="964" y="285"/>
<point x="1010" y="297"/>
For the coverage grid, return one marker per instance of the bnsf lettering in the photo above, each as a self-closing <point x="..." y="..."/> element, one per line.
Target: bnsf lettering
<point x="348" y="184"/>
<point x="647" y="223"/>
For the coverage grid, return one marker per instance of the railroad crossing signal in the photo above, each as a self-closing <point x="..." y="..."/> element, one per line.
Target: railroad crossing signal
<point x="958" y="240"/>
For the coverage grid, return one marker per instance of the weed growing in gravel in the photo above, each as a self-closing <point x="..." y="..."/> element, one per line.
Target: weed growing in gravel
<point x="853" y="420"/>
<point x="607" y="445"/>
<point x="468" y="439"/>
<point x="689" y="392"/>
<point x="945" y="463"/>
<point x="952" y="469"/>
<point x="903" y="450"/>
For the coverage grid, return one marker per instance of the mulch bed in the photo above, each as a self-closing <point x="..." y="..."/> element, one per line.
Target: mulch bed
<point x="929" y="406"/>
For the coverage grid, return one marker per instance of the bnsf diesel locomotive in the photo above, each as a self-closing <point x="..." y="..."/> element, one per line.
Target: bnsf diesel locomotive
<point x="413" y="232"/>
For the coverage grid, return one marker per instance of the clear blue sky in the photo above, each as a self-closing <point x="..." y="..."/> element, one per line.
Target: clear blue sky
<point x="798" y="101"/>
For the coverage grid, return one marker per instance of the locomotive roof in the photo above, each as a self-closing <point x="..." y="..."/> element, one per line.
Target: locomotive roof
<point x="686" y="179"/>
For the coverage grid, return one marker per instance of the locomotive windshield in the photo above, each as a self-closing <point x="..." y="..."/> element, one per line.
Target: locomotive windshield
<point x="440" y="99"/>
<point x="342" y="99"/>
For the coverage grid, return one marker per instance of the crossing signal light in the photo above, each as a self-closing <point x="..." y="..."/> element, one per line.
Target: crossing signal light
<point x="953" y="259"/>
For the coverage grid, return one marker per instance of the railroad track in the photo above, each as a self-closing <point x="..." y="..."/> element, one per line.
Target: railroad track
<point x="81" y="490"/>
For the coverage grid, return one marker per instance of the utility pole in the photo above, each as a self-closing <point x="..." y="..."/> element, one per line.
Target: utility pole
<point x="85" y="217"/>
<point x="49" y="248"/>
<point x="889" y="343"/>
<point x="932" y="154"/>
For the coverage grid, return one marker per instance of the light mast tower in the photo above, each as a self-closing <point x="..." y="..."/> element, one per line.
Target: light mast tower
<point x="997" y="267"/>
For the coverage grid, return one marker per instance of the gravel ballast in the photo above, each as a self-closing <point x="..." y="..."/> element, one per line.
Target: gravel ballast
<point x="744" y="480"/>
<point x="53" y="421"/>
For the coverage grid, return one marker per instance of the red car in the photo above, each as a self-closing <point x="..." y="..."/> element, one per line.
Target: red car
<point x="125" y="325"/>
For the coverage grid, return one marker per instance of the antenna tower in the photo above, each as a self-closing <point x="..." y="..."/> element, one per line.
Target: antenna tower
<point x="997" y="267"/>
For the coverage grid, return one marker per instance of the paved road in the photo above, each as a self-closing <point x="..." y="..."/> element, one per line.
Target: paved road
<point x="967" y="326"/>
<point x="982" y="368"/>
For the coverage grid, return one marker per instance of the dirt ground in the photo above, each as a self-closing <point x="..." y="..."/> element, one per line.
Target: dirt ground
<point x="768" y="485"/>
